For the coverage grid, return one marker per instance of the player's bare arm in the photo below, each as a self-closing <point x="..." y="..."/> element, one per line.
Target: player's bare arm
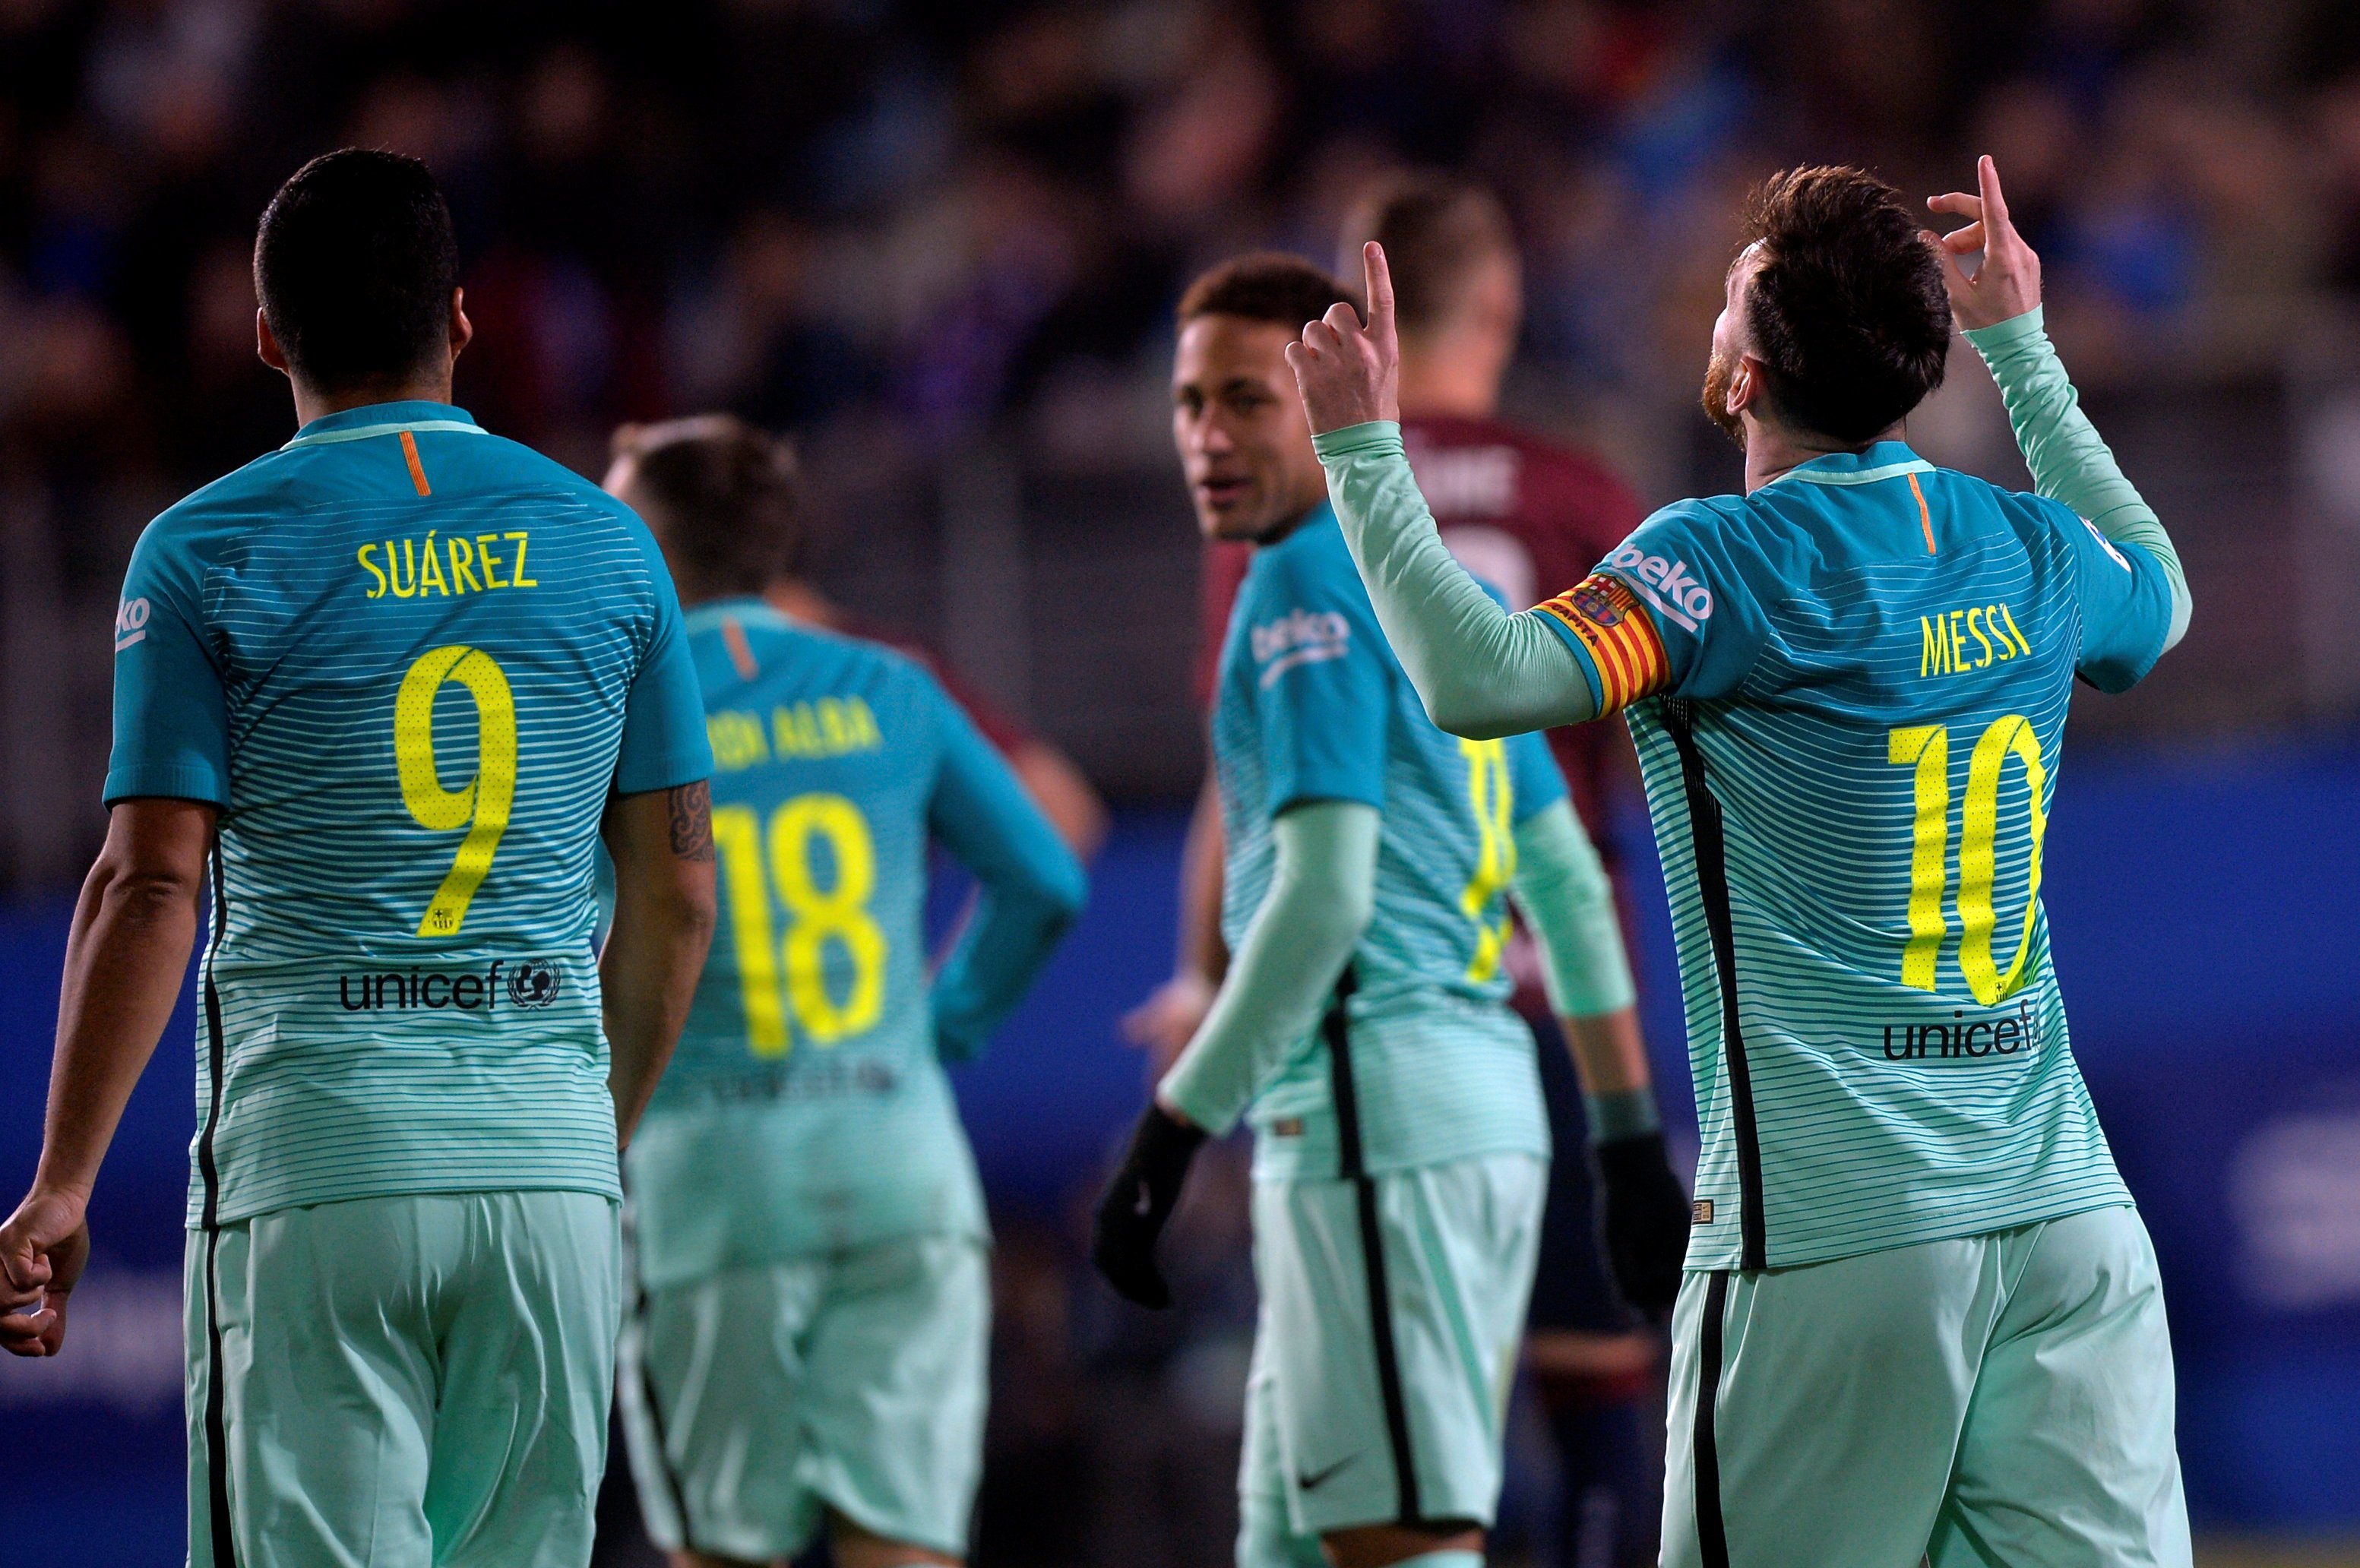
<point x="133" y="931"/>
<point x="661" y="842"/>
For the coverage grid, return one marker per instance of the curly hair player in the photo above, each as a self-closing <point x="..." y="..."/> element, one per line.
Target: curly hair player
<point x="1921" y="1316"/>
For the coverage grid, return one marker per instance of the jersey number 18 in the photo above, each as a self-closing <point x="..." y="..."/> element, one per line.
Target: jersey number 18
<point x="815" y="916"/>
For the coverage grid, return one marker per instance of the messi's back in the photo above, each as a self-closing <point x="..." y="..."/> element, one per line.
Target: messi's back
<point x="1862" y="680"/>
<point x="401" y="654"/>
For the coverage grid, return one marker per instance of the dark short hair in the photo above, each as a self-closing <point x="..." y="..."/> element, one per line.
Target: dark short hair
<point x="1434" y="228"/>
<point x="1847" y="311"/>
<point x="726" y="498"/>
<point x="355" y="263"/>
<point x="1267" y="286"/>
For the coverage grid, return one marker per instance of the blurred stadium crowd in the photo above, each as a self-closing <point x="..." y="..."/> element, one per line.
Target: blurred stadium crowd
<point x="900" y="231"/>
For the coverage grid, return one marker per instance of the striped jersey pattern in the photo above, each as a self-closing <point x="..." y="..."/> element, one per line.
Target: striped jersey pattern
<point x="805" y="1109"/>
<point x="1311" y="704"/>
<point x="1850" y="762"/>
<point x="401" y="655"/>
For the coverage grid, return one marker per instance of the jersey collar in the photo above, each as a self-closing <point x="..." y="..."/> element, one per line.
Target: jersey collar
<point x="1883" y="460"/>
<point x="384" y="419"/>
<point x="737" y="606"/>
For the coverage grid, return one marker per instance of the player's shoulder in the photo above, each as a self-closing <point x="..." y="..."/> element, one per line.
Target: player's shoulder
<point x="802" y="655"/>
<point x="1312" y="562"/>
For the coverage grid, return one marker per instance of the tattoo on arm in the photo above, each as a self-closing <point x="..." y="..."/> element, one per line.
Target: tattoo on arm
<point x="690" y="807"/>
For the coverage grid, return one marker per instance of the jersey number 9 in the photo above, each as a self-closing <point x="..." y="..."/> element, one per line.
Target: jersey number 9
<point x="815" y="916"/>
<point x="483" y="806"/>
<point x="1926" y="748"/>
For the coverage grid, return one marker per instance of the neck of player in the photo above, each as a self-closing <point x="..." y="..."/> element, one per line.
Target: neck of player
<point x="1450" y="375"/>
<point x="1771" y="450"/>
<point x="318" y="402"/>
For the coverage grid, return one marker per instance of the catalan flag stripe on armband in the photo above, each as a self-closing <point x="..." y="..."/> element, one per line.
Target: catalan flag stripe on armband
<point x="1620" y="636"/>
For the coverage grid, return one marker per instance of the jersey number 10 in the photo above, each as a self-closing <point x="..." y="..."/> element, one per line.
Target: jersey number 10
<point x="815" y="915"/>
<point x="1926" y="748"/>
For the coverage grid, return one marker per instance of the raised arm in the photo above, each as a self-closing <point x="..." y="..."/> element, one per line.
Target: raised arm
<point x="1481" y="672"/>
<point x="1999" y="310"/>
<point x="661" y="842"/>
<point x="126" y="954"/>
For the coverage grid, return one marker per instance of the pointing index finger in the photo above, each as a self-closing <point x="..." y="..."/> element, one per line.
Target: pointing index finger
<point x="1380" y="278"/>
<point x="1987" y="181"/>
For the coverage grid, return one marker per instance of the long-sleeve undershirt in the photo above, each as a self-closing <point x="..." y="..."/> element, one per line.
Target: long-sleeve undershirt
<point x="2070" y="460"/>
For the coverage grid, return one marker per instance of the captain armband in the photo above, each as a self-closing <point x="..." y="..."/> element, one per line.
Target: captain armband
<point x="1619" y="635"/>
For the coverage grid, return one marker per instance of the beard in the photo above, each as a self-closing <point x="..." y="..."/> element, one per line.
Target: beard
<point x="1718" y="374"/>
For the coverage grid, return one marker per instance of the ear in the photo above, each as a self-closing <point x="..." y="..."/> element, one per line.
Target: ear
<point x="1747" y="386"/>
<point x="265" y="346"/>
<point x="463" y="331"/>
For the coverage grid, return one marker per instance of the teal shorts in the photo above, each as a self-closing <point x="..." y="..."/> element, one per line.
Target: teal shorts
<point x="756" y="1400"/>
<point x="1379" y="1387"/>
<point x="1996" y="1400"/>
<point x="402" y="1380"/>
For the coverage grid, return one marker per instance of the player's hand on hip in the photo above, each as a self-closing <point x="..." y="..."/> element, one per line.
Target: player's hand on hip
<point x="43" y="1247"/>
<point x="1645" y="1217"/>
<point x="1137" y="1202"/>
<point x="1350" y="373"/>
<point x="2008" y="282"/>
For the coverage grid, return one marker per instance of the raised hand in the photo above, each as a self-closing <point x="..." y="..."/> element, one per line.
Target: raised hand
<point x="43" y="1247"/>
<point x="2008" y="282"/>
<point x="1350" y="374"/>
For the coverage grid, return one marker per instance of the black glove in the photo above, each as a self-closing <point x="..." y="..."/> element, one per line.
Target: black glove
<point x="1645" y="1215"/>
<point x="1136" y="1202"/>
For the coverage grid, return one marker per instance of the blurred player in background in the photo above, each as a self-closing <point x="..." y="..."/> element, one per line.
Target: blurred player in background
<point x="1401" y="1147"/>
<point x="1048" y="775"/>
<point x="809" y="1338"/>
<point x="1518" y="512"/>
<point x="402" y="1268"/>
<point x="1922" y="1318"/>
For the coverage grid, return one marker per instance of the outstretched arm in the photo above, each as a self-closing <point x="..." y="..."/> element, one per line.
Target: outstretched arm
<point x="129" y="947"/>
<point x="1999" y="310"/>
<point x="1481" y="672"/>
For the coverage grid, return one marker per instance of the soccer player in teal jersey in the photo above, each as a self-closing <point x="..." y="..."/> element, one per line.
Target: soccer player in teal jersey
<point x="813" y="1295"/>
<point x="1400" y="1143"/>
<point x="1922" y="1318"/>
<point x="394" y="680"/>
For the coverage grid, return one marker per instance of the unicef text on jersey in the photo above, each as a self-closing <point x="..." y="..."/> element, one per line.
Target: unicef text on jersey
<point x="532" y="983"/>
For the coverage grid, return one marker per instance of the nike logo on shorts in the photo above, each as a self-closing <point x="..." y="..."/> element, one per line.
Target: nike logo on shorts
<point x="1317" y="1479"/>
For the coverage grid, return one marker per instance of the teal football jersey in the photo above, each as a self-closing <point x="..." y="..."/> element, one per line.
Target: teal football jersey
<point x="806" y="1109"/>
<point x="1312" y="705"/>
<point x="1849" y="693"/>
<point x="407" y="660"/>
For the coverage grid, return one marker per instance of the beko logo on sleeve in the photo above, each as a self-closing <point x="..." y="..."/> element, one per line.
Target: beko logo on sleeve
<point x="1299" y="636"/>
<point x="1666" y="585"/>
<point x="130" y="623"/>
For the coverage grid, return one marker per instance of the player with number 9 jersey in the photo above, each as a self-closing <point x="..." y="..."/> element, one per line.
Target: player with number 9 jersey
<point x="409" y="660"/>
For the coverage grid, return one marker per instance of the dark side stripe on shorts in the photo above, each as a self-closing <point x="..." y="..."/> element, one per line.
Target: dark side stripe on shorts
<point x="1712" y="1534"/>
<point x="1713" y="884"/>
<point x="673" y="1486"/>
<point x="225" y="1542"/>
<point x="1336" y="1029"/>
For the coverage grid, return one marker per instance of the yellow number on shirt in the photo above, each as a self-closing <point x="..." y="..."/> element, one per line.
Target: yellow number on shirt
<point x="737" y="840"/>
<point x="1926" y="748"/>
<point x="1493" y="798"/>
<point x="483" y="806"/>
<point x="816" y="916"/>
